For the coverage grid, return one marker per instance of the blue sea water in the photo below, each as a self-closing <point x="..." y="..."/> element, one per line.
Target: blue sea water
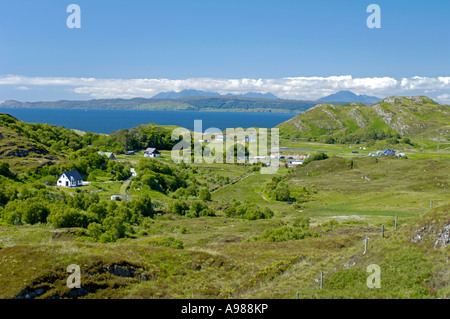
<point x="106" y="121"/>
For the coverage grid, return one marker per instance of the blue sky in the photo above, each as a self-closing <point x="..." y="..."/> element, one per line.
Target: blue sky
<point x="191" y="44"/>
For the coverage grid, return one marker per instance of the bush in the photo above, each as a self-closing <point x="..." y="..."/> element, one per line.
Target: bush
<point x="114" y="229"/>
<point x="179" y="207"/>
<point x="4" y="169"/>
<point x="68" y="217"/>
<point x="284" y="233"/>
<point x="29" y="211"/>
<point x="95" y="230"/>
<point x="249" y="212"/>
<point x="204" y="194"/>
<point x="315" y="157"/>
<point x="165" y="242"/>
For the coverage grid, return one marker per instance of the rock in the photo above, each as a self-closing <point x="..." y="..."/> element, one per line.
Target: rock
<point x="443" y="238"/>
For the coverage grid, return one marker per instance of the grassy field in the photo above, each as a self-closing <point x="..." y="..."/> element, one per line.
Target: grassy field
<point x="174" y="256"/>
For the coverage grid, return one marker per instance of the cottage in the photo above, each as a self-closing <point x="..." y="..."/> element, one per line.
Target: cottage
<point x="109" y="155"/>
<point x="152" y="152"/>
<point x="70" y="179"/>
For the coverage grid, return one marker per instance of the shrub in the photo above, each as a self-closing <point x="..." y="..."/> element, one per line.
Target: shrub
<point x="68" y="217"/>
<point x="204" y="194"/>
<point x="165" y="242"/>
<point x="315" y="157"/>
<point x="179" y="207"/>
<point x="95" y="230"/>
<point x="249" y="212"/>
<point x="283" y="233"/>
<point x="4" y="169"/>
<point x="29" y="211"/>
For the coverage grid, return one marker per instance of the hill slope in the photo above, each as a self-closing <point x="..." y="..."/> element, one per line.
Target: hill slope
<point x="412" y="117"/>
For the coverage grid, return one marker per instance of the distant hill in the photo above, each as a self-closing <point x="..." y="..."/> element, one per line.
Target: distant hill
<point x="187" y="103"/>
<point x="191" y="93"/>
<point x="416" y="117"/>
<point x="184" y="93"/>
<point x="349" y="97"/>
<point x="256" y="95"/>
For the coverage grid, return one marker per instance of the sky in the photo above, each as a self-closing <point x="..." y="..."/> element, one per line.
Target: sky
<point x="294" y="49"/>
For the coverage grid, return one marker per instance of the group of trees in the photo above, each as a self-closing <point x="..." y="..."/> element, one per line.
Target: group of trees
<point x="369" y="137"/>
<point x="248" y="211"/>
<point x="278" y="190"/>
<point x="103" y="220"/>
<point x="141" y="137"/>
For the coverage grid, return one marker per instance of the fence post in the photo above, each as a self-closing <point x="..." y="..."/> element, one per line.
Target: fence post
<point x="321" y="280"/>
<point x="395" y="223"/>
<point x="382" y="231"/>
<point x="298" y="295"/>
<point x="365" y="244"/>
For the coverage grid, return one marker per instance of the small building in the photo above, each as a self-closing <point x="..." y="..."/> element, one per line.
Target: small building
<point x="220" y="138"/>
<point x="293" y="163"/>
<point x="388" y="152"/>
<point x="152" y="152"/>
<point x="109" y="155"/>
<point x="115" y="197"/>
<point x="129" y="153"/>
<point x="70" y="179"/>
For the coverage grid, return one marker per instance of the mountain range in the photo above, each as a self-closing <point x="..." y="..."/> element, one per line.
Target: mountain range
<point x="348" y="97"/>
<point x="196" y="100"/>
<point x="191" y="93"/>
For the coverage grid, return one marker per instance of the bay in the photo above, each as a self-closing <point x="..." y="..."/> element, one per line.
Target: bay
<point x="106" y="121"/>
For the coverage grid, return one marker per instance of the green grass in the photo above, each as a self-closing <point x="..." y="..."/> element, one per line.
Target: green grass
<point x="214" y="257"/>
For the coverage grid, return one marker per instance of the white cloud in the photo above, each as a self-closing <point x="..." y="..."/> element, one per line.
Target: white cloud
<point x="307" y="88"/>
<point x="22" y="88"/>
<point x="444" y="98"/>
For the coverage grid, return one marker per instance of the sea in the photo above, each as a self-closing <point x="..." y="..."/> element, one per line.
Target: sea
<point x="106" y="121"/>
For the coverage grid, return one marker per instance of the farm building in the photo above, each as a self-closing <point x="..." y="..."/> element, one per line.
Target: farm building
<point x="152" y="152"/>
<point x="70" y="179"/>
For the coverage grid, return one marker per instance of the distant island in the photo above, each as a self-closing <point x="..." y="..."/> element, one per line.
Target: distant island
<point x="195" y="100"/>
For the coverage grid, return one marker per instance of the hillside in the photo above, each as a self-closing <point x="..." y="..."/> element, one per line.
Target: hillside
<point x="416" y="117"/>
<point x="185" y="103"/>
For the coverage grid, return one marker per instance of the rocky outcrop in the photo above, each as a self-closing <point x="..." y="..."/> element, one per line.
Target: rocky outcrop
<point x="443" y="238"/>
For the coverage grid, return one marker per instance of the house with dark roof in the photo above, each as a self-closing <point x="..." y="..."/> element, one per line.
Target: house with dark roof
<point x="152" y="152"/>
<point x="70" y="179"/>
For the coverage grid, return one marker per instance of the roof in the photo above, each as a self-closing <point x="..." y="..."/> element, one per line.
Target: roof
<point x="151" y="150"/>
<point x="107" y="154"/>
<point x="73" y="174"/>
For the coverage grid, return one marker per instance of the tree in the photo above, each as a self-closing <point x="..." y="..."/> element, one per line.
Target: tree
<point x="179" y="207"/>
<point x="143" y="206"/>
<point x="204" y="194"/>
<point x="282" y="192"/>
<point x="4" y="168"/>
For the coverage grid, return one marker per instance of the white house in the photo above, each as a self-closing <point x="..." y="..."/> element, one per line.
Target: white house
<point x="70" y="179"/>
<point x="152" y="152"/>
